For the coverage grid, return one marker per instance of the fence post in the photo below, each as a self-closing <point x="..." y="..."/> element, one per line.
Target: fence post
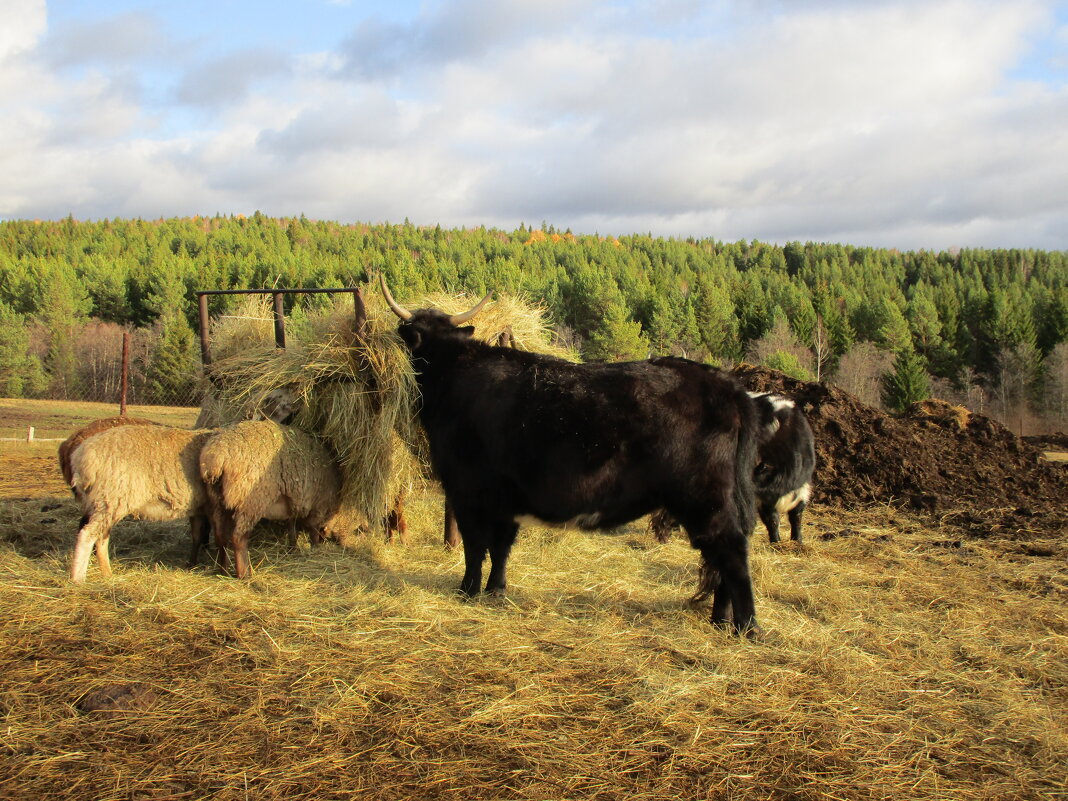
<point x="125" y="374"/>
<point x="205" y="351"/>
<point x="279" y="322"/>
<point x="360" y="315"/>
<point x="29" y="434"/>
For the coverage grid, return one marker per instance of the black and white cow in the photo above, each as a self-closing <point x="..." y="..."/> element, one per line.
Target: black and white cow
<point x="785" y="462"/>
<point x="514" y="434"/>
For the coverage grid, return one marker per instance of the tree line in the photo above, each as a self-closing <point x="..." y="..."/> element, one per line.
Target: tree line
<point x="984" y="327"/>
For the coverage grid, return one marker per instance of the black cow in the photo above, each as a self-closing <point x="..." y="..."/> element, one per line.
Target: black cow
<point x="515" y="434"/>
<point x="785" y="462"/>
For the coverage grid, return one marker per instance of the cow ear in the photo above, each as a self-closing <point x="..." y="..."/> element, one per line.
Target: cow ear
<point x="467" y="330"/>
<point x="415" y="339"/>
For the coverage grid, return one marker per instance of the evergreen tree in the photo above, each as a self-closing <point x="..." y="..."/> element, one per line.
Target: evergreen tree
<point x="616" y="338"/>
<point x="906" y="383"/>
<point x="63" y="310"/>
<point x="892" y="330"/>
<point x="20" y="371"/>
<point x="717" y="325"/>
<point x="173" y="364"/>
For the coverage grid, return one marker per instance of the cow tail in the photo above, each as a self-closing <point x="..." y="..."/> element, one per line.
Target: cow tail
<point x="745" y="460"/>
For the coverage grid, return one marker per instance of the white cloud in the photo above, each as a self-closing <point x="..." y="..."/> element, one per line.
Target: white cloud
<point x="25" y="22"/>
<point x="889" y="123"/>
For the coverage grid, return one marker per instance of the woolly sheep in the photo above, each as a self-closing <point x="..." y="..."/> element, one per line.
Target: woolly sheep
<point x="260" y="470"/>
<point x="70" y="444"/>
<point x="146" y="472"/>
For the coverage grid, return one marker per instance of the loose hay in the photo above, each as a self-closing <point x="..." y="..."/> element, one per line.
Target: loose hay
<point x="893" y="668"/>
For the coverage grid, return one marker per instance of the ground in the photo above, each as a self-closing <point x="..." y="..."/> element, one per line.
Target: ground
<point x="913" y="648"/>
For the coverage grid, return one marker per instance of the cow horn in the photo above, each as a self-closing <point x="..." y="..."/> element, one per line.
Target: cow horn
<point x="456" y="319"/>
<point x="398" y="310"/>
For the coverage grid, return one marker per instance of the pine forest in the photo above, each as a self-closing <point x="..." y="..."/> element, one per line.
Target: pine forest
<point x="984" y="328"/>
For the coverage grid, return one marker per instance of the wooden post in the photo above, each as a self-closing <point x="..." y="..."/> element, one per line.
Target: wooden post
<point x="360" y="317"/>
<point x="205" y="352"/>
<point x="29" y="434"/>
<point x="279" y="322"/>
<point x="125" y="373"/>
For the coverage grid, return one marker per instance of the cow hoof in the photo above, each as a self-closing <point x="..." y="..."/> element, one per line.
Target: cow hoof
<point x="753" y="633"/>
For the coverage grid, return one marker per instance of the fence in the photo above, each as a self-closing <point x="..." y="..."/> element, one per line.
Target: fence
<point x="159" y="365"/>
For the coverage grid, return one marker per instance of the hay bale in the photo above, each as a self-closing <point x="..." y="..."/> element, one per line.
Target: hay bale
<point x="358" y="392"/>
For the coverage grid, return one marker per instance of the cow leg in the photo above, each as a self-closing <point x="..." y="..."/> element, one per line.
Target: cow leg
<point x="500" y="546"/>
<point x="732" y="559"/>
<point x="474" y="553"/>
<point x="395" y="521"/>
<point x="794" y="516"/>
<point x="724" y="551"/>
<point x="769" y="515"/>
<point x="475" y="535"/>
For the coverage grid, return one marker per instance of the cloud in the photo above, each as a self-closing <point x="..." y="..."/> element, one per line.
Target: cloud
<point x="110" y="41"/>
<point x="887" y="123"/>
<point x="24" y="23"/>
<point x="229" y="79"/>
<point x="461" y="30"/>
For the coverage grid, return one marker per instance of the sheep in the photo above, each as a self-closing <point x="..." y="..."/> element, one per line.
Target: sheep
<point x="144" y="471"/>
<point x="70" y="444"/>
<point x="259" y="470"/>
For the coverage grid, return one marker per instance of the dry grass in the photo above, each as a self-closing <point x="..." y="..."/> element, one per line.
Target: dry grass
<point x="59" y="419"/>
<point x="900" y="662"/>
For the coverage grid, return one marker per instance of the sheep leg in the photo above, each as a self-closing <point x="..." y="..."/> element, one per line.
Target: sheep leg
<point x="103" y="562"/>
<point x="83" y="546"/>
<point x="239" y="542"/>
<point x="198" y="530"/>
<point x="292" y="534"/>
<point x="220" y="526"/>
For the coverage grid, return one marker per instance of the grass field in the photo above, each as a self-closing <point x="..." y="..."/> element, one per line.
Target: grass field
<point x="57" y="419"/>
<point x="900" y="660"/>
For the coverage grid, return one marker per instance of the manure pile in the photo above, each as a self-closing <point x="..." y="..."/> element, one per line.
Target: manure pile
<point x="936" y="458"/>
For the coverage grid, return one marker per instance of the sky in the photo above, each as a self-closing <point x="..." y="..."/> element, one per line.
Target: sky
<point x="912" y="124"/>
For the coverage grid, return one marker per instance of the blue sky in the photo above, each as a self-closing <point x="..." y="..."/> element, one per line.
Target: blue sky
<point x="898" y="123"/>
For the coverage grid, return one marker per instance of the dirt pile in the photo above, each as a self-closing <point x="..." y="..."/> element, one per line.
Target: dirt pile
<point x="936" y="457"/>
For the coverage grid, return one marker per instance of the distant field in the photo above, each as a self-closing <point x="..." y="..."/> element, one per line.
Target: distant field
<point x="57" y="419"/>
